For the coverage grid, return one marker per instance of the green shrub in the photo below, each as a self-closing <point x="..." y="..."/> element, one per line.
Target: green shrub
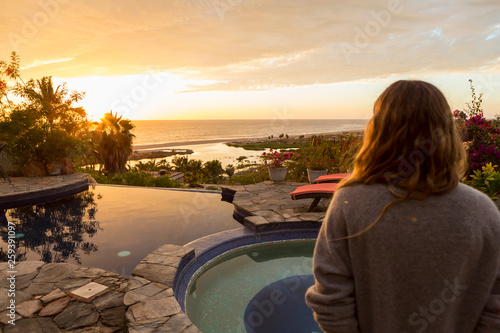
<point x="486" y="180"/>
<point x="132" y="178"/>
<point x="336" y="155"/>
<point x="152" y="165"/>
<point x="258" y="175"/>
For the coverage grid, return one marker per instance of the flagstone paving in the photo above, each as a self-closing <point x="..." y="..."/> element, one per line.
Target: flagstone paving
<point x="44" y="303"/>
<point x="26" y="190"/>
<point x="267" y="205"/>
<point x="44" y="300"/>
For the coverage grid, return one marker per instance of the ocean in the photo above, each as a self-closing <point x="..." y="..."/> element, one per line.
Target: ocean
<point x="171" y="132"/>
<point x="206" y="137"/>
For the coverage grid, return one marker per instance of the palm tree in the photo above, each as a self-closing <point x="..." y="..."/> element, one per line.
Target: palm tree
<point x="181" y="163"/>
<point x="47" y="125"/>
<point x="196" y="169"/>
<point x="55" y="105"/>
<point x="229" y="171"/>
<point x="113" y="142"/>
<point x="213" y="169"/>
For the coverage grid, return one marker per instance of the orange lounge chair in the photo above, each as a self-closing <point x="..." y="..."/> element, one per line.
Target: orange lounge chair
<point x="333" y="178"/>
<point x="315" y="191"/>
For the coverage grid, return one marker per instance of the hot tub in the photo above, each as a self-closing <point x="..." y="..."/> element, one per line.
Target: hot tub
<point x="242" y="282"/>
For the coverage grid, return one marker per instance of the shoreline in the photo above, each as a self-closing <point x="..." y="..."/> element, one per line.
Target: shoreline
<point x="159" y="146"/>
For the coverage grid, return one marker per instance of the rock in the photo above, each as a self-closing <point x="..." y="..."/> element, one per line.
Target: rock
<point x="67" y="166"/>
<point x="142" y="293"/>
<point x="109" y="300"/>
<point x="89" y="320"/>
<point x="136" y="282"/>
<point x="177" y="323"/>
<point x="7" y="162"/>
<point x="21" y="296"/>
<point x="29" y="308"/>
<point x="68" y="284"/>
<point x="91" y="179"/>
<point x="107" y="281"/>
<point x="173" y="250"/>
<point x="34" y="169"/>
<point x="42" y="288"/>
<point x="75" y="314"/>
<point x="47" y="325"/>
<point x="97" y="329"/>
<point x="55" y="307"/>
<point x="39" y="325"/>
<point x="4" y="298"/>
<point x="146" y="326"/>
<point x="4" y="319"/>
<point x="26" y="267"/>
<point x="53" y="295"/>
<point x="25" y="280"/>
<point x="156" y="273"/>
<point x="165" y="293"/>
<point x="114" y="316"/>
<point x="83" y="272"/>
<point x="191" y="329"/>
<point x="54" y="272"/>
<point x="153" y="309"/>
<point x="54" y="169"/>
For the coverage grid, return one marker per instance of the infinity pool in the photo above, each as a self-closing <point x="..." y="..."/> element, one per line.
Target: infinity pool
<point x="114" y="227"/>
<point x="254" y="288"/>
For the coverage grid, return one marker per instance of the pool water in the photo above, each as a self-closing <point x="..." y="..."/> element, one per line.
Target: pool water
<point x="255" y="288"/>
<point x="114" y="227"/>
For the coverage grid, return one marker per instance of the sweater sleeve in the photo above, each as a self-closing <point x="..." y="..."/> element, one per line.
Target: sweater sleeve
<point x="489" y="322"/>
<point x="332" y="296"/>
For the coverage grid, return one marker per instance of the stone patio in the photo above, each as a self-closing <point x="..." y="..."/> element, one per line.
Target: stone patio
<point x="47" y="301"/>
<point x="30" y="190"/>
<point x="44" y="303"/>
<point x="267" y="205"/>
<point x="152" y="306"/>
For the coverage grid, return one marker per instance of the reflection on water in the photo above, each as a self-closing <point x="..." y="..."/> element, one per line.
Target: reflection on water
<point x="55" y="231"/>
<point x="113" y="227"/>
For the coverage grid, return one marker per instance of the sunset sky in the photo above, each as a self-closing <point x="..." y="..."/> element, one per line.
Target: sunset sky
<point x="226" y="59"/>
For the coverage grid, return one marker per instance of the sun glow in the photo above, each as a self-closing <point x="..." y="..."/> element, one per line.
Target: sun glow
<point x="131" y="96"/>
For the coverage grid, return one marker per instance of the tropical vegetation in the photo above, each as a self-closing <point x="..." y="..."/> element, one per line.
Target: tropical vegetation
<point x="481" y="136"/>
<point x="112" y="142"/>
<point x="486" y="180"/>
<point x="44" y="124"/>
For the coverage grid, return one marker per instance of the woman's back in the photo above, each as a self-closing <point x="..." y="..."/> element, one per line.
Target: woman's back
<point x="427" y="265"/>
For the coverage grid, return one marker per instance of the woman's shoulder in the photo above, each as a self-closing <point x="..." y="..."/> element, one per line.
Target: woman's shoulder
<point x="474" y="198"/>
<point x="463" y="195"/>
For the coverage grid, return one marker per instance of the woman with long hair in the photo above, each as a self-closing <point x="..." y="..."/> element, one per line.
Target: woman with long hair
<point x="406" y="247"/>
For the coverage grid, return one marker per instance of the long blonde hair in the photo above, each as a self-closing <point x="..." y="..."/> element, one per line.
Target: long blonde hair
<point x="411" y="143"/>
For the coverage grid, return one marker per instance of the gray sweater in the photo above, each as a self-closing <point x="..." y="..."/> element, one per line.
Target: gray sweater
<point x="428" y="265"/>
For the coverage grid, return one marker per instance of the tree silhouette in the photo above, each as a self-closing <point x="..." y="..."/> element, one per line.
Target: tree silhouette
<point x="113" y="141"/>
<point x="55" y="231"/>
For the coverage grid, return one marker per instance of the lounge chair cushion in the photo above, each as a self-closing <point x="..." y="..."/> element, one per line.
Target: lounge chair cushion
<point x="314" y="190"/>
<point x="335" y="177"/>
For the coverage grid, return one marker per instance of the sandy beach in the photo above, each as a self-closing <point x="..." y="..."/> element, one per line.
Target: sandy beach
<point x="207" y="150"/>
<point x="185" y="144"/>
